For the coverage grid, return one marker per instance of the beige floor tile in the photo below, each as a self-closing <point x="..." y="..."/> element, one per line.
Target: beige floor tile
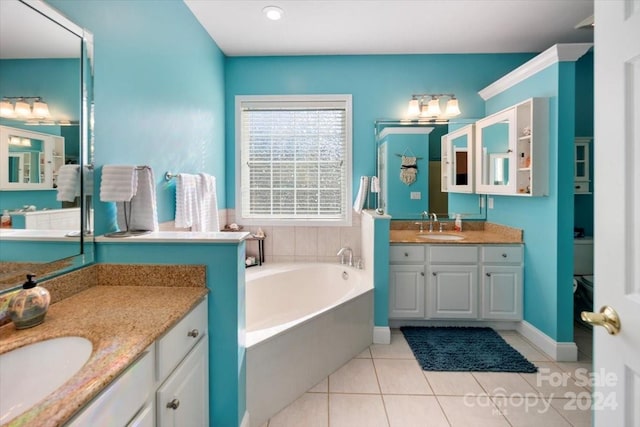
<point x="471" y="411"/>
<point x="321" y="387"/>
<point x="310" y="410"/>
<point x="530" y="412"/>
<point x="552" y="381"/>
<point x="398" y="376"/>
<point x="577" y="411"/>
<point x="356" y="376"/>
<point x="524" y="347"/>
<point x="504" y="383"/>
<point x="398" y="349"/>
<point x="414" y="411"/>
<point x="356" y="410"/>
<point x="366" y="354"/>
<point x="579" y="370"/>
<point x="453" y="383"/>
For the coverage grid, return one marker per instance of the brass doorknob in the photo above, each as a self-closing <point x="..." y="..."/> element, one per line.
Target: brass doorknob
<point x="607" y="317"/>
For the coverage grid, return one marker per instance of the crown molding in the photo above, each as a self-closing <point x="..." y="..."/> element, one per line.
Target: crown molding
<point x="564" y="52"/>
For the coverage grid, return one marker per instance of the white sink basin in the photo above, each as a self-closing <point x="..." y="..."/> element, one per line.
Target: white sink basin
<point x="440" y="236"/>
<point x="29" y="374"/>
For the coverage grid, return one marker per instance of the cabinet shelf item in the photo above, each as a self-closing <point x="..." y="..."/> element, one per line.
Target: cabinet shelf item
<point x="505" y="139"/>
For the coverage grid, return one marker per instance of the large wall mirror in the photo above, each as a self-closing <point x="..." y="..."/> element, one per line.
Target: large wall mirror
<point x="46" y="94"/>
<point x="408" y="157"/>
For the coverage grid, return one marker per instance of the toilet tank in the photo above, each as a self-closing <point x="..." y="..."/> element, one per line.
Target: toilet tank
<point x="583" y="256"/>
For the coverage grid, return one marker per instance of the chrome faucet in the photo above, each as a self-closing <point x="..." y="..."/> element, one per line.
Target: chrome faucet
<point x="342" y="252"/>
<point x="424" y="216"/>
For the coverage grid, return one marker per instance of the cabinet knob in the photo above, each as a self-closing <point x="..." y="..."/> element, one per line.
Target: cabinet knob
<point x="173" y="404"/>
<point x="504" y="255"/>
<point x="193" y="333"/>
<point x="422" y="273"/>
<point x="488" y="274"/>
<point x="434" y="273"/>
<point x="406" y="254"/>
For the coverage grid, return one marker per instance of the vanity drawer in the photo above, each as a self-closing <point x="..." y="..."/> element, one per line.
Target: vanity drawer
<point x="581" y="186"/>
<point x="458" y="254"/>
<point x="502" y="254"/>
<point x="180" y="339"/>
<point x="406" y="253"/>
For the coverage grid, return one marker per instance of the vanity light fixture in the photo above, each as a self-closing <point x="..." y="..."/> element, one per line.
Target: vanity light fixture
<point x="274" y="13"/>
<point x="26" y="107"/>
<point x="427" y="106"/>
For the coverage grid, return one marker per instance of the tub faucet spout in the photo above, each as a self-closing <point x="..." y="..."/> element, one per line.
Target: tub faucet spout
<point x="342" y="252"/>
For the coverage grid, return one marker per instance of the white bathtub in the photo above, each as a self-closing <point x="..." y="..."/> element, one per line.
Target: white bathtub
<point x="303" y="321"/>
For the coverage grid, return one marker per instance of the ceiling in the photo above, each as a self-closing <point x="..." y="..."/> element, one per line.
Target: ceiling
<point x="325" y="27"/>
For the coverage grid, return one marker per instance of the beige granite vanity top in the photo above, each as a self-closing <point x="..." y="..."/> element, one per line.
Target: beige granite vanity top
<point x="473" y="233"/>
<point x="120" y="321"/>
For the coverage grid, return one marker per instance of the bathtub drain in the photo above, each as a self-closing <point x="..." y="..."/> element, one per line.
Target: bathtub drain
<point x="345" y="275"/>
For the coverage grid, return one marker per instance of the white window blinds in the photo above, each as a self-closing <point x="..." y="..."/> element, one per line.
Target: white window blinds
<point x="295" y="159"/>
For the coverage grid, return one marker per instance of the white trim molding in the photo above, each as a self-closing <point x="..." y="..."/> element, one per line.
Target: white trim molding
<point x="558" y="351"/>
<point x="246" y="420"/>
<point x="381" y="335"/>
<point x="563" y="52"/>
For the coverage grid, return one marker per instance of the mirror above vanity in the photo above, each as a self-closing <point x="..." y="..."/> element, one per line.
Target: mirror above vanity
<point x="437" y="158"/>
<point x="46" y="74"/>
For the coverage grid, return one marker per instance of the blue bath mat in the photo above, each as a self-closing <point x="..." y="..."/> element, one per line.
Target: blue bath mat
<point x="464" y="349"/>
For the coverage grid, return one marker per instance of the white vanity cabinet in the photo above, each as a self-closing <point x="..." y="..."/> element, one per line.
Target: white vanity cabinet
<point x="406" y="281"/>
<point x="457" y="171"/>
<point x="501" y="272"/>
<point x="512" y="150"/>
<point x="452" y="285"/>
<point x="456" y="282"/>
<point x="167" y="386"/>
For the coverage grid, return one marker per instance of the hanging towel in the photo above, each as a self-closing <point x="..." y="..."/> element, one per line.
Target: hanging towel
<point x="141" y="212"/>
<point x="68" y="183"/>
<point x="358" y="204"/>
<point x="119" y="183"/>
<point x="196" y="202"/>
<point x="187" y="205"/>
<point x="206" y="187"/>
<point x="88" y="180"/>
<point x="375" y="184"/>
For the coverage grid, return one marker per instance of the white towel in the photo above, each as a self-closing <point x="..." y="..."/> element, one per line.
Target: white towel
<point x="358" y="204"/>
<point x="375" y="184"/>
<point x="196" y="202"/>
<point x="141" y="212"/>
<point x="68" y="183"/>
<point x="119" y="183"/>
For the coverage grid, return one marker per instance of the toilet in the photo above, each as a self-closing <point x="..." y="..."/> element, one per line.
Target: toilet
<point x="582" y="275"/>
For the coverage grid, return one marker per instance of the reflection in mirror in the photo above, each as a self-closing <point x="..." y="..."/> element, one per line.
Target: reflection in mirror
<point x="397" y="140"/>
<point x="495" y="153"/>
<point x="44" y="57"/>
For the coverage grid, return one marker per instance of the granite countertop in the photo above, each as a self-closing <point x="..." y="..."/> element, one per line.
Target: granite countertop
<point x="484" y="233"/>
<point x="120" y="321"/>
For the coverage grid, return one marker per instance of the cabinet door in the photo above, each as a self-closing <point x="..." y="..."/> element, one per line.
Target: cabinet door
<point x="458" y="147"/>
<point x="183" y="400"/>
<point x="502" y="292"/>
<point x="495" y="157"/>
<point x="452" y="292"/>
<point x="406" y="291"/>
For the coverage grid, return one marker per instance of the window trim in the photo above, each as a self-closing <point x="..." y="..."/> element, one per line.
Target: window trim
<point x="346" y="99"/>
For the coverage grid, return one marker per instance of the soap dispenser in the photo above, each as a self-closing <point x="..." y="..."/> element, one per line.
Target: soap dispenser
<point x="28" y="306"/>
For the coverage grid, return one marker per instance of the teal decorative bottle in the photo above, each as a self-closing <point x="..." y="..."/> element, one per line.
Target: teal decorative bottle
<point x="28" y="306"/>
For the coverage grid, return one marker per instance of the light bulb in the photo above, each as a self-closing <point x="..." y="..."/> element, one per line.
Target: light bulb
<point x="414" y="108"/>
<point x="433" y="107"/>
<point x="40" y="109"/>
<point x="452" y="107"/>
<point x="6" y="108"/>
<point x="273" y="13"/>
<point x="22" y="108"/>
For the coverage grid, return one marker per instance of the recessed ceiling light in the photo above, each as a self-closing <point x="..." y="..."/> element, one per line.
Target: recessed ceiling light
<point x="273" y="13"/>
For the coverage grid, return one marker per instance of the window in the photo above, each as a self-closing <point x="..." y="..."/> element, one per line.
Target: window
<point x="294" y="155"/>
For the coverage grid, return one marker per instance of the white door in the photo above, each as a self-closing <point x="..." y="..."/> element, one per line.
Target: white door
<point x="616" y="392"/>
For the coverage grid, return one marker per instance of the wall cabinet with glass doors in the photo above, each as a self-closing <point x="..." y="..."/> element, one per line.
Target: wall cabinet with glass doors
<point x="512" y="150"/>
<point x="457" y="161"/>
<point x="581" y="174"/>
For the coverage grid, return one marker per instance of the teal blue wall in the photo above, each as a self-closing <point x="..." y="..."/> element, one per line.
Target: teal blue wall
<point x="225" y="280"/>
<point x="381" y="86"/>
<point x="547" y="221"/>
<point x="159" y="93"/>
<point x="38" y="251"/>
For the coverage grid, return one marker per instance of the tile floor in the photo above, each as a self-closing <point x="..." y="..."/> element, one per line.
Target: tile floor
<point x="385" y="386"/>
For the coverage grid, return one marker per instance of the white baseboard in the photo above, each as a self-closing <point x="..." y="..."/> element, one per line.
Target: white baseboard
<point x="558" y="351"/>
<point x="381" y="335"/>
<point x="246" y="422"/>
